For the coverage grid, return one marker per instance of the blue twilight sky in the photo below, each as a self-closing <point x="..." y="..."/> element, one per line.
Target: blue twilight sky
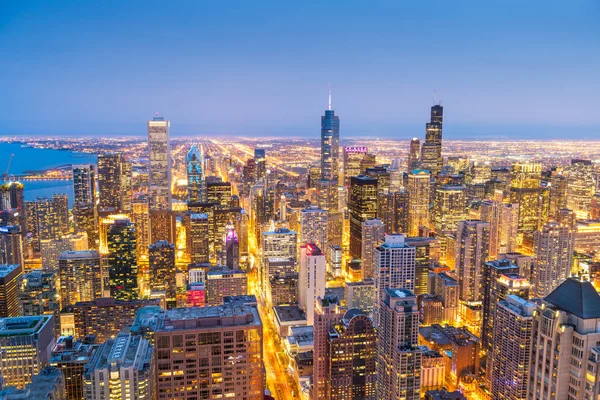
<point x="519" y="69"/>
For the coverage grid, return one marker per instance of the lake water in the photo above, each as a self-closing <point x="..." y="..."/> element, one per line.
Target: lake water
<point x="27" y="158"/>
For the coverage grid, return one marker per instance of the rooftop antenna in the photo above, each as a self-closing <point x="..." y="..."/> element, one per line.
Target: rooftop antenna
<point x="434" y="96"/>
<point x="329" y="97"/>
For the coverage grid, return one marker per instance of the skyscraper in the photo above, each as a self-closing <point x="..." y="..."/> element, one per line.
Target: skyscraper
<point x="362" y="206"/>
<point x="418" y="201"/>
<point x="11" y="245"/>
<point x="353" y="161"/>
<point x="472" y="247"/>
<point x="330" y="144"/>
<point x="162" y="269"/>
<point x="9" y="290"/>
<point x="398" y="357"/>
<point x="512" y="345"/>
<point x="427" y="255"/>
<point x="140" y="216"/>
<point x="195" y="175"/>
<point x="553" y="246"/>
<point x="61" y="205"/>
<point x="260" y="164"/>
<point x="109" y="182"/>
<point x="122" y="262"/>
<point x="431" y="151"/>
<point x="197" y="238"/>
<point x="311" y="279"/>
<point x="85" y="216"/>
<point x="504" y="224"/>
<point x="373" y="232"/>
<point x="80" y="276"/>
<point x="84" y="183"/>
<point x="313" y="227"/>
<point x="159" y="151"/>
<point x="232" y="248"/>
<point x="414" y="154"/>
<point x="525" y="190"/>
<point x="449" y="207"/>
<point x="581" y="187"/>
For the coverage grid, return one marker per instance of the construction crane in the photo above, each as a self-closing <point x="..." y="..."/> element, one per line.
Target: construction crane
<point x="5" y="176"/>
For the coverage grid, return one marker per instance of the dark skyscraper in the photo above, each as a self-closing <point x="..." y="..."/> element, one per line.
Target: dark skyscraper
<point x="260" y="163"/>
<point x="414" y="154"/>
<point x="84" y="183"/>
<point x="362" y="206"/>
<point x="431" y="152"/>
<point x="195" y="175"/>
<point x="109" y="179"/>
<point x="330" y="144"/>
<point x="122" y="263"/>
<point x="232" y="248"/>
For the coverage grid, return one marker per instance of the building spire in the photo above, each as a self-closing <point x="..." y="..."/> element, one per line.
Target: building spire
<point x="329" y="108"/>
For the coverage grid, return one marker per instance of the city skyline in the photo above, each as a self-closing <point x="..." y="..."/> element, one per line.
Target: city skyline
<point x="271" y="64"/>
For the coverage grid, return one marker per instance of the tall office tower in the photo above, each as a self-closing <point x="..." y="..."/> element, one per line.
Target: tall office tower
<point x="162" y="269"/>
<point x="398" y="358"/>
<point x="70" y="357"/>
<point x="140" y="216"/>
<point x="512" y="346"/>
<point x="373" y="234"/>
<point x="197" y="238"/>
<point x="361" y="207"/>
<point x="105" y="317"/>
<point x="431" y="151"/>
<point x="9" y="288"/>
<point x="26" y="345"/>
<point x="554" y="258"/>
<point x="48" y="222"/>
<point x="61" y="205"/>
<point x="504" y="224"/>
<point x="51" y="249"/>
<point x="281" y="242"/>
<point x="222" y="281"/>
<point x="558" y="192"/>
<point x="414" y="154"/>
<point x="311" y="279"/>
<point x="260" y="164"/>
<point x="84" y="183"/>
<point x="427" y="255"/>
<point x="495" y="289"/>
<point x="394" y="266"/>
<point x="449" y="207"/>
<point x="396" y="216"/>
<point x="109" y="182"/>
<point x="472" y="247"/>
<point x="526" y="191"/>
<point x="480" y="173"/>
<point x="159" y="176"/>
<point x="327" y="195"/>
<point x="162" y="225"/>
<point x="330" y="144"/>
<point x="352" y="349"/>
<point x="219" y="193"/>
<point x="80" y="276"/>
<point x="121" y="368"/>
<point x="328" y="313"/>
<point x="12" y="205"/>
<point x="564" y="348"/>
<point x="85" y="217"/>
<point x="447" y="288"/>
<point x="353" y="158"/>
<point x="195" y="175"/>
<point x="580" y="187"/>
<point x="418" y="201"/>
<point x="313" y="227"/>
<point x="39" y="293"/>
<point x="232" y="248"/>
<point x="11" y="245"/>
<point x="122" y="262"/>
<point x="126" y="189"/>
<point x="236" y="320"/>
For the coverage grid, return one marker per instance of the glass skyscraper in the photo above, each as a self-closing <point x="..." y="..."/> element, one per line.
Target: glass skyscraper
<point x="195" y="175"/>
<point x="160" y="163"/>
<point x="330" y="144"/>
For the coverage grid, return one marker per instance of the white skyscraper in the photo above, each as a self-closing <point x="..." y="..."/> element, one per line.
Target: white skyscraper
<point x="553" y="247"/>
<point x="472" y="247"/>
<point x="313" y="227"/>
<point x="373" y="232"/>
<point x="311" y="279"/>
<point x="159" y="171"/>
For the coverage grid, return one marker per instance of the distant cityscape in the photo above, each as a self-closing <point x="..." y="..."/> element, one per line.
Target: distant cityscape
<point x="273" y="268"/>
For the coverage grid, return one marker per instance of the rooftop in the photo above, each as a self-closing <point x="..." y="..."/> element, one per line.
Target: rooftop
<point x="576" y="297"/>
<point x="21" y="326"/>
<point x="289" y="313"/>
<point x="6" y="269"/>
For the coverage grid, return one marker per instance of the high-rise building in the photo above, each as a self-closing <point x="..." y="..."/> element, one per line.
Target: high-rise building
<point x="122" y="260"/>
<point x="280" y="243"/>
<point x="447" y="287"/>
<point x="564" y="345"/>
<point x="581" y="187"/>
<point x="558" y="192"/>
<point x="222" y="281"/>
<point x="84" y="183"/>
<point x="197" y="236"/>
<point x="352" y="350"/>
<point x="418" y="202"/>
<point x="162" y="225"/>
<point x="70" y="357"/>
<point x="126" y="191"/>
<point x="313" y="227"/>
<point x="526" y="191"/>
<point x="334" y="259"/>
<point x="61" y="204"/>
<point x="513" y="324"/>
<point x="414" y="154"/>
<point x="260" y="164"/>
<point x="361" y="295"/>
<point x="427" y="255"/>
<point x="120" y="368"/>
<point x="396" y="215"/>
<point x="47" y="218"/>
<point x="39" y="293"/>
<point x="85" y="216"/>
<point x="26" y="344"/>
<point x="472" y="247"/>
<point x="373" y="233"/>
<point x="48" y="384"/>
<point x="311" y="279"/>
<point x="431" y="151"/>
<point x="361" y="207"/>
<point x="330" y="144"/>
<point x="449" y="208"/>
<point x="80" y="275"/>
<point x="11" y="245"/>
<point x="195" y="175"/>
<point x="504" y="223"/>
<point x="159" y="151"/>
<point x="218" y="193"/>
<point x="353" y="160"/>
<point x="394" y="264"/>
<point x="554" y="258"/>
<point x="10" y="275"/>
<point x="229" y="331"/>
<point x="140" y="216"/>
<point x="52" y="249"/>
<point x="232" y="248"/>
<point x="398" y="357"/>
<point x="162" y="269"/>
<point x="12" y="205"/>
<point x="110" y="176"/>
